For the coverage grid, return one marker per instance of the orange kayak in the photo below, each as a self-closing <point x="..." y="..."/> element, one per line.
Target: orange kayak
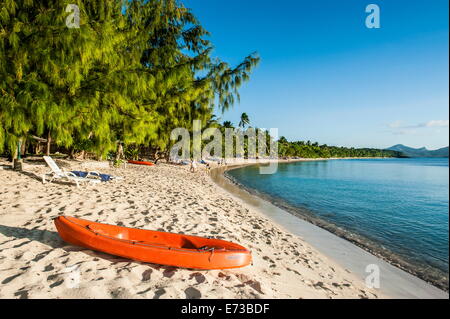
<point x="153" y="246"/>
<point x="141" y="163"/>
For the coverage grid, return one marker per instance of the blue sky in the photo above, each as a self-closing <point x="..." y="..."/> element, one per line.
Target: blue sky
<point x="324" y="76"/>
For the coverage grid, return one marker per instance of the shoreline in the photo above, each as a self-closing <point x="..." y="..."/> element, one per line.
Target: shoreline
<point x="358" y="241"/>
<point x="36" y="263"/>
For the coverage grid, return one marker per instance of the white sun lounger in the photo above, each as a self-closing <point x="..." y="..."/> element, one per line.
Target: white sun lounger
<point x="57" y="173"/>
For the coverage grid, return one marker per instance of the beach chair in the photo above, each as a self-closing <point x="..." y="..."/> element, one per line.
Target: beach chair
<point x="58" y="173"/>
<point x="94" y="174"/>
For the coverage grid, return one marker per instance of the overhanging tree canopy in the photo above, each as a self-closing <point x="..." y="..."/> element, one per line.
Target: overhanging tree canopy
<point x="132" y="72"/>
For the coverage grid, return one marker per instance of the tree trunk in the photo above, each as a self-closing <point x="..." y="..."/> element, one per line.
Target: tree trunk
<point x="17" y="163"/>
<point x="23" y="147"/>
<point x="38" y="149"/>
<point x="119" y="154"/>
<point x="49" y="143"/>
<point x="154" y="153"/>
<point x="156" y="156"/>
<point x="15" y="154"/>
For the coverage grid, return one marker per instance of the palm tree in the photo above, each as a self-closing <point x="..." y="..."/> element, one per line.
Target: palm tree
<point x="244" y="120"/>
<point x="282" y="140"/>
<point x="212" y="122"/>
<point x="228" y="124"/>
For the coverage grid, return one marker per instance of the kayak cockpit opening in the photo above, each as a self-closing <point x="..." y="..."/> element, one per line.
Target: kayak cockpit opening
<point x="151" y="238"/>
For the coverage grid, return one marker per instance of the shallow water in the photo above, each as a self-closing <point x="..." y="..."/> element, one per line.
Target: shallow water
<point x="399" y="204"/>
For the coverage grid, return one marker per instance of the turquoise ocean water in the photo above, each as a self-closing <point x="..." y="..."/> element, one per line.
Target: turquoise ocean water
<point x="398" y="205"/>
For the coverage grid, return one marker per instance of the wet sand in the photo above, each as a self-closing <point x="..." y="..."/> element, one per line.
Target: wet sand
<point x="394" y="282"/>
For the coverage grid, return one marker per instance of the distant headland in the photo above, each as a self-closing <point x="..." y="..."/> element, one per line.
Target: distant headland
<point x="418" y="152"/>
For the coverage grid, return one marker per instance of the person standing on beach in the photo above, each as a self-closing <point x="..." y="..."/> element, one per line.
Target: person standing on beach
<point x="193" y="166"/>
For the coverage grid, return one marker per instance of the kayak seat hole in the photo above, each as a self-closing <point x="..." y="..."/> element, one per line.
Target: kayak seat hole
<point x="187" y="244"/>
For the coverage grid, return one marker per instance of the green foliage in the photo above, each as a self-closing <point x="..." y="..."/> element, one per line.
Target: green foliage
<point x="244" y="120"/>
<point x="227" y="124"/>
<point x="132" y="72"/>
<point x="314" y="150"/>
<point x="118" y="163"/>
<point x="132" y="152"/>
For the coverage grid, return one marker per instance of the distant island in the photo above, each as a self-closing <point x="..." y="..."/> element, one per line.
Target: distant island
<point x="406" y="151"/>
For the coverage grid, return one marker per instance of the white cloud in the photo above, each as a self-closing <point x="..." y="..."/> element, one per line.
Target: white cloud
<point x="395" y="124"/>
<point x="399" y="128"/>
<point x="432" y="123"/>
<point x="403" y="132"/>
<point x="437" y="123"/>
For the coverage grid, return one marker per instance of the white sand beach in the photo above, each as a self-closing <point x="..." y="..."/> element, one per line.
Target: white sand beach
<point x="95" y="84"/>
<point x="36" y="263"/>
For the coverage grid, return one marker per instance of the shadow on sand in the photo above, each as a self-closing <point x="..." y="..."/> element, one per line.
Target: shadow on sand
<point x="39" y="178"/>
<point x="46" y="237"/>
<point x="31" y="175"/>
<point x="52" y="239"/>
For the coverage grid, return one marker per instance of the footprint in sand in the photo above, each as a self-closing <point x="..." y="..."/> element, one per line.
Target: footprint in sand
<point x="144" y="291"/>
<point x="146" y="275"/>
<point x="48" y="268"/>
<point x="255" y="285"/>
<point x="9" y="279"/>
<point x="198" y="277"/>
<point x="192" y="293"/>
<point x="22" y="294"/>
<point x="21" y="244"/>
<point x="159" y="293"/>
<point x="169" y="272"/>
<point x="56" y="284"/>
<point x="41" y="255"/>
<point x="224" y="276"/>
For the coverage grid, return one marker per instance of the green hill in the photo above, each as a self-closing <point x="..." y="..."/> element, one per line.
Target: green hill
<point x="419" y="152"/>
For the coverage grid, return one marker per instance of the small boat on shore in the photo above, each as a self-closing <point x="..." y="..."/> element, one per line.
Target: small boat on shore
<point x="141" y="163"/>
<point x="153" y="246"/>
